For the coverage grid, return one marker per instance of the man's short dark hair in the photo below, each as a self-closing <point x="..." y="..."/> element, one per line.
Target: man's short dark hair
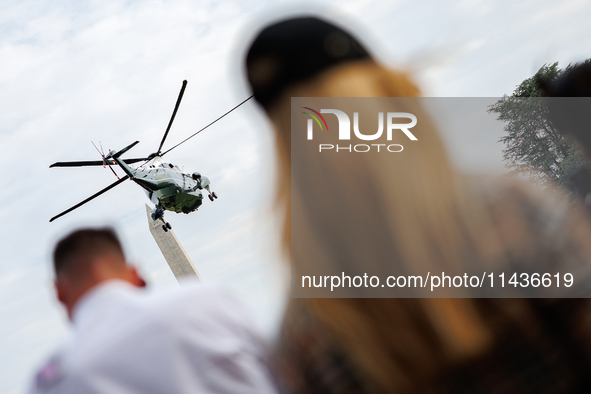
<point x="83" y="244"/>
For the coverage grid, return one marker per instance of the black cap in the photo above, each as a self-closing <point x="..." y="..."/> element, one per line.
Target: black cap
<point x="296" y="49"/>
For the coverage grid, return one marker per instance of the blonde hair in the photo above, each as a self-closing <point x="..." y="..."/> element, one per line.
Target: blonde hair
<point x="414" y="208"/>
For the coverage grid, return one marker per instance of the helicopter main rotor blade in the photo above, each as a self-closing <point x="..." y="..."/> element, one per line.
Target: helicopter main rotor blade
<point x="122" y="151"/>
<point x="77" y="163"/>
<point x="176" y="107"/>
<point x="93" y="163"/>
<point x="187" y="139"/>
<point x="106" y="189"/>
<point x="131" y="161"/>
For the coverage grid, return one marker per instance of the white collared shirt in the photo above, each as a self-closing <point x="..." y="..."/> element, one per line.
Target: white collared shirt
<point x="194" y="339"/>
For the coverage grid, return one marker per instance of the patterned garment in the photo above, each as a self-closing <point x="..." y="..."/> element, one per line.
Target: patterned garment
<point x="308" y="360"/>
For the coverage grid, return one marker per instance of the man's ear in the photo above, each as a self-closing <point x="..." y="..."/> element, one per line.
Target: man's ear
<point x="135" y="278"/>
<point x="60" y="291"/>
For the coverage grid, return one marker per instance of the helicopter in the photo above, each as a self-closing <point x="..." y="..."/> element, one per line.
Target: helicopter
<point x="167" y="186"/>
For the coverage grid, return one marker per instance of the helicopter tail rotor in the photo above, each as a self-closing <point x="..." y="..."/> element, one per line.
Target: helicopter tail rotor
<point x="102" y="153"/>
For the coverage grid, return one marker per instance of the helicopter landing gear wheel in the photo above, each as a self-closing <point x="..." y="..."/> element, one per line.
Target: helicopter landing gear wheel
<point x="214" y="195"/>
<point x="210" y="197"/>
<point x="168" y="225"/>
<point x="164" y="228"/>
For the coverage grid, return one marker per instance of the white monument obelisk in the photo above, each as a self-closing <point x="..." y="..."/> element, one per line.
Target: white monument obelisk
<point x="178" y="260"/>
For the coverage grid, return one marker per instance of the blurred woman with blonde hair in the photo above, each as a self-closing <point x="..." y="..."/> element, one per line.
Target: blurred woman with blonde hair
<point x="417" y="211"/>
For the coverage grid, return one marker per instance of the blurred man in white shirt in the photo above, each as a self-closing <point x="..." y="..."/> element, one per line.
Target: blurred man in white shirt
<point x="125" y="339"/>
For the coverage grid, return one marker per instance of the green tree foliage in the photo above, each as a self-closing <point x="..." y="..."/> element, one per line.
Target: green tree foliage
<point x="533" y="146"/>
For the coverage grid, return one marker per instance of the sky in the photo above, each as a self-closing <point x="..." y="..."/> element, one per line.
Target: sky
<point x="72" y="72"/>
